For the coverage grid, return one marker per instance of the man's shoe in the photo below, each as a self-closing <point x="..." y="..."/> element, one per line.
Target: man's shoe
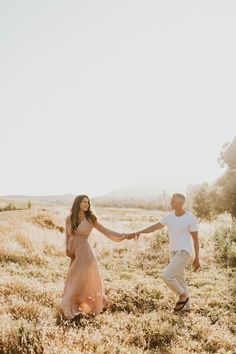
<point x="181" y="304"/>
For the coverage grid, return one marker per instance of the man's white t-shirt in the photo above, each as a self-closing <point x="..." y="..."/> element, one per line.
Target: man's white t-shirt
<point x="179" y="228"/>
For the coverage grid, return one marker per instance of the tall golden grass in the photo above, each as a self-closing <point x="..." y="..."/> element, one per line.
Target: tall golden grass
<point x="33" y="269"/>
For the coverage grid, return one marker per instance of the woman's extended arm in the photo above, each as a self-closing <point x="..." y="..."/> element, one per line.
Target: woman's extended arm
<point x="112" y="235"/>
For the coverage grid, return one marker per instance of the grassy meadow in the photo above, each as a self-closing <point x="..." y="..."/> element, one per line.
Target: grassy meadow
<point x="33" y="269"/>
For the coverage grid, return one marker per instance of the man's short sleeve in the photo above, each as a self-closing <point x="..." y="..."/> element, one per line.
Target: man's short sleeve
<point x="163" y="220"/>
<point x="193" y="224"/>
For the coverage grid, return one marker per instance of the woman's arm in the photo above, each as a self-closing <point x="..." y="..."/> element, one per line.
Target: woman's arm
<point x="67" y="233"/>
<point x="67" y="239"/>
<point x="112" y="235"/>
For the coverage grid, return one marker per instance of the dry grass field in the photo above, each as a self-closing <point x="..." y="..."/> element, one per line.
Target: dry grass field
<point x="33" y="268"/>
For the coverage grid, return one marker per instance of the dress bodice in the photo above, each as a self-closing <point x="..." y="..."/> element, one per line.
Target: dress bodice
<point x="83" y="230"/>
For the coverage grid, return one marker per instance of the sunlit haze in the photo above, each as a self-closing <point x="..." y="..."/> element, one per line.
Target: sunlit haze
<point x="101" y="95"/>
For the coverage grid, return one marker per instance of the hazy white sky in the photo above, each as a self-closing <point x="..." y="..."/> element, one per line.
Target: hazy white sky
<point x="97" y="95"/>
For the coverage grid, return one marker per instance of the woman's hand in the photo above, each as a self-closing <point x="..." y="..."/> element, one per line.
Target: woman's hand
<point x="68" y="253"/>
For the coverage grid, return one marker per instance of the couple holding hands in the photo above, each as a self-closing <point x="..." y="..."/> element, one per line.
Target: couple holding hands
<point x="83" y="291"/>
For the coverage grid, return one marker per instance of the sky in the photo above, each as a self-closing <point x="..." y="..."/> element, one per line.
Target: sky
<point x="101" y="95"/>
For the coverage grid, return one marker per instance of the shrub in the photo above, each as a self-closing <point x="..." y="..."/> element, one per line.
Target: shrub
<point x="225" y="245"/>
<point x="45" y="221"/>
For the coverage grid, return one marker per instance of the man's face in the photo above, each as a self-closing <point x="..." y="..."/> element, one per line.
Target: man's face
<point x="176" y="202"/>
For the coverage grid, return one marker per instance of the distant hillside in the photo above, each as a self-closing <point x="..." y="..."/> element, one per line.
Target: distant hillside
<point x="150" y="195"/>
<point x="66" y="199"/>
<point x="145" y="195"/>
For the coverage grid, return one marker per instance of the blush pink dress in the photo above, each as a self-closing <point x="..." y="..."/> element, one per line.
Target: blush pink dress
<point x="83" y="291"/>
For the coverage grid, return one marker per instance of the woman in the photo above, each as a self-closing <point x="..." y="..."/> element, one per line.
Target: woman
<point x="83" y="292"/>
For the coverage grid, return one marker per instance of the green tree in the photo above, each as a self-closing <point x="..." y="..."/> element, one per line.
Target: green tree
<point x="202" y="205"/>
<point x="217" y="200"/>
<point x="227" y="183"/>
<point x="228" y="155"/>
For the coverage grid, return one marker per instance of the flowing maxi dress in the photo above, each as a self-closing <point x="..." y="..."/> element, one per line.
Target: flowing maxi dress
<point x="83" y="291"/>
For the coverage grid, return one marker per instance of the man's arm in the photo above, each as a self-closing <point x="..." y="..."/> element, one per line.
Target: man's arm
<point x="152" y="228"/>
<point x="196" y="263"/>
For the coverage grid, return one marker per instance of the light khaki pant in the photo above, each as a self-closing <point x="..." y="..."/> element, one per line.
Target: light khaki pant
<point x="173" y="275"/>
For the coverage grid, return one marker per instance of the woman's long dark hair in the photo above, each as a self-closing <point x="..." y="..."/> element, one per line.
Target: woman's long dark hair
<point x="75" y="211"/>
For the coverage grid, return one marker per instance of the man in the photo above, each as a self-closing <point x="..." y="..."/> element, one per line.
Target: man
<point x="184" y="247"/>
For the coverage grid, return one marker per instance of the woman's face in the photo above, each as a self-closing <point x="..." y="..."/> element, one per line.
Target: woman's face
<point x="84" y="205"/>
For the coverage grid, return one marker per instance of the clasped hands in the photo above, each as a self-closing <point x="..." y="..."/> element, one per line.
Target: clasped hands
<point x="132" y="235"/>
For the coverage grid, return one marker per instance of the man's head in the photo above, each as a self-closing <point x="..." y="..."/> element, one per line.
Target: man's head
<point x="177" y="201"/>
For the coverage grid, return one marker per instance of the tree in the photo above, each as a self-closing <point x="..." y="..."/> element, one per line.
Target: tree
<point x="202" y="205"/>
<point x="228" y="192"/>
<point x="228" y="155"/>
<point x="227" y="183"/>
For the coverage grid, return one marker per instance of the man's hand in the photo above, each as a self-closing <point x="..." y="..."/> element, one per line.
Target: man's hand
<point x="196" y="264"/>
